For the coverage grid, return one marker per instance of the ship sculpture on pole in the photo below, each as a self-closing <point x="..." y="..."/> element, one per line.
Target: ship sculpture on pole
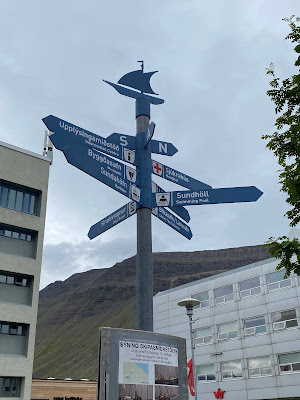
<point x="98" y="157"/>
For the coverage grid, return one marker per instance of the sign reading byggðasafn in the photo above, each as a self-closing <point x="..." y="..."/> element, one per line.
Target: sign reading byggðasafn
<point x="141" y="365"/>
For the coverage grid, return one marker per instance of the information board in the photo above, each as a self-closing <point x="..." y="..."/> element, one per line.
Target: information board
<point x="141" y="366"/>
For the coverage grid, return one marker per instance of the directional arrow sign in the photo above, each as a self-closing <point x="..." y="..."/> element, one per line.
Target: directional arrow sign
<point x="177" y="177"/>
<point x="164" y="148"/>
<point x="105" y="169"/>
<point x="209" y="196"/>
<point x="112" y="219"/>
<point x="174" y="222"/>
<point x="123" y="140"/>
<point x="66" y="134"/>
<point x="181" y="211"/>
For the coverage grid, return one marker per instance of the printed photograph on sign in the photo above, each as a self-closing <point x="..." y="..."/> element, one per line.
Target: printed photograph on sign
<point x="135" y="373"/>
<point x="162" y="199"/>
<point x="131" y="174"/>
<point x="129" y="155"/>
<point x="132" y="208"/>
<point x="135" y="392"/>
<point x="135" y="193"/>
<point x="157" y="168"/>
<point x="166" y="375"/>
<point x="166" y="392"/>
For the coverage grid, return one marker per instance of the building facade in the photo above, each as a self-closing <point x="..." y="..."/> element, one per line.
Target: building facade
<point x="57" y="389"/>
<point x="246" y="332"/>
<point x="23" y="197"/>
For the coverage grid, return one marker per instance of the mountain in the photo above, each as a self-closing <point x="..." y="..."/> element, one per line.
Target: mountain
<point x="71" y="312"/>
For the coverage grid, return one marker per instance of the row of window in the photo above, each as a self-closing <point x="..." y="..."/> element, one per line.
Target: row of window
<point x="16" y="234"/>
<point x="10" y="387"/>
<point x="251" y="326"/>
<point x="13" y="280"/>
<point x="256" y="366"/>
<point x="18" y="199"/>
<point x="9" y="328"/>
<point x="247" y="288"/>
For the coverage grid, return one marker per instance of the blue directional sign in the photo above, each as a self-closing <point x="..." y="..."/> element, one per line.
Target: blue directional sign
<point x="66" y="133"/>
<point x="113" y="219"/>
<point x="209" y="196"/>
<point x="123" y="140"/>
<point x="177" y="177"/>
<point x="170" y="219"/>
<point x="157" y="147"/>
<point x="105" y="169"/>
<point x="180" y="211"/>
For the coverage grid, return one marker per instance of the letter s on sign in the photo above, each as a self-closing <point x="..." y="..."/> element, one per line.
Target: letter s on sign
<point x="123" y="141"/>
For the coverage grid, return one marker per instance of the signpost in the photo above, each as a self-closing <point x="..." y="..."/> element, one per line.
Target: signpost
<point x="93" y="155"/>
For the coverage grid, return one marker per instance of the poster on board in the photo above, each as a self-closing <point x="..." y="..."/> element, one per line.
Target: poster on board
<point x="141" y="366"/>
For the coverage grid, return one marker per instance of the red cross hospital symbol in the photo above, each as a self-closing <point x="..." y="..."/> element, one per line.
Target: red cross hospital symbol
<point x="219" y="394"/>
<point x="157" y="168"/>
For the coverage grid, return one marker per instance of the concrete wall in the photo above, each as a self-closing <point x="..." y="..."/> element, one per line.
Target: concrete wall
<point x="171" y="319"/>
<point x="32" y="171"/>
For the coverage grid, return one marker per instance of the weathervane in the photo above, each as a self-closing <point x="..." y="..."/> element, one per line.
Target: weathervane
<point x="93" y="155"/>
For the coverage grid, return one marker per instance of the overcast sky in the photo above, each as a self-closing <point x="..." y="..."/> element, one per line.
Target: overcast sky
<point x="212" y="59"/>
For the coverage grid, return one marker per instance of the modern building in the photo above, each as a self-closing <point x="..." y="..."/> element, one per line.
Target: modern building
<point x="23" y="197"/>
<point x="246" y="332"/>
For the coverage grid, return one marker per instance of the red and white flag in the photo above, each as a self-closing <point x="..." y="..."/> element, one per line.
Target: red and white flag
<point x="191" y="377"/>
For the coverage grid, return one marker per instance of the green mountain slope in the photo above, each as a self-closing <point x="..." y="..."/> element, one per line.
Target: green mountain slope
<point x="71" y="312"/>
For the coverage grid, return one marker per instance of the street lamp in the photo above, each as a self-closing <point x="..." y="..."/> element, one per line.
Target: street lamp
<point x="189" y="304"/>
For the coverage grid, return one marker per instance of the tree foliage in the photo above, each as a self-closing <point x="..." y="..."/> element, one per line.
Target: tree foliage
<point x="285" y="144"/>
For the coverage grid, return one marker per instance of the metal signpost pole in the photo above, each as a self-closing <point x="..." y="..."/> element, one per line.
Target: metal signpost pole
<point x="144" y="265"/>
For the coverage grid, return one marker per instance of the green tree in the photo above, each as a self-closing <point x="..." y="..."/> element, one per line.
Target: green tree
<point x="285" y="144"/>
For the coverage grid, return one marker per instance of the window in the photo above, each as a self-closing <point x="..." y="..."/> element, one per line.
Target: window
<point x="284" y="319"/>
<point x="203" y="298"/>
<point x="9" y="328"/>
<point x="16" y="234"/>
<point x="255" y="325"/>
<point x="223" y="294"/>
<point x="277" y="281"/>
<point x="231" y="369"/>
<point x="203" y="336"/>
<point x="14" y="280"/>
<point x="10" y="387"/>
<point x="206" y="372"/>
<point x="289" y="362"/>
<point x="17" y="198"/>
<point x="229" y="330"/>
<point x="259" y="366"/>
<point x="250" y="287"/>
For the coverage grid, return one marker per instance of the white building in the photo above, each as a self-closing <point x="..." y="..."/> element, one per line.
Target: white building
<point x="23" y="196"/>
<point x="246" y="329"/>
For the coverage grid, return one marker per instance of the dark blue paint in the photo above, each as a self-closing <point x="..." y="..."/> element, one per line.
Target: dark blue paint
<point x="66" y="133"/>
<point x="180" y="211"/>
<point x="127" y="141"/>
<point x="112" y="219"/>
<point x="82" y="157"/>
<point x="135" y="95"/>
<point x="175" y="176"/>
<point x="143" y="170"/>
<point x="211" y="196"/>
<point x="170" y="219"/>
<point x="139" y="80"/>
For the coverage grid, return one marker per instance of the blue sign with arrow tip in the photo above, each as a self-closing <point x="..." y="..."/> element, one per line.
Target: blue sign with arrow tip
<point x="65" y="133"/>
<point x="209" y="196"/>
<point x="157" y="146"/>
<point x="113" y="219"/>
<point x="170" y="219"/>
<point x="105" y="169"/>
<point x="177" y="177"/>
